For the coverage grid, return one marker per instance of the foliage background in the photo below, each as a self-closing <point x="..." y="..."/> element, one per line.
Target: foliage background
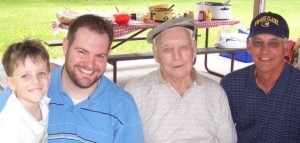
<point x="21" y="19"/>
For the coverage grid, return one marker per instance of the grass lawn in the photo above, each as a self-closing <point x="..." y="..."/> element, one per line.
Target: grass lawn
<point x="22" y="19"/>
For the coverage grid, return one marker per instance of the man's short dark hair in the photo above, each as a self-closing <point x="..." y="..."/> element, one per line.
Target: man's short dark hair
<point x="93" y="23"/>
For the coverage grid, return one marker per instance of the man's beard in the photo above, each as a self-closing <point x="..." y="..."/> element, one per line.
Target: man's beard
<point x="76" y="80"/>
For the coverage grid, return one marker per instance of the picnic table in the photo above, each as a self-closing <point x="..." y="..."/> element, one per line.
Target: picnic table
<point x="137" y="27"/>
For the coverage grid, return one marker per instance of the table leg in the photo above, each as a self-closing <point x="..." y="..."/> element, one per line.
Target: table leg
<point x="114" y="64"/>
<point x="206" y="58"/>
<point x="232" y="61"/>
<point x="115" y="72"/>
<point x="130" y="37"/>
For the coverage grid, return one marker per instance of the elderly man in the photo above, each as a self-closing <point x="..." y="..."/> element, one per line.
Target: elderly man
<point x="265" y="97"/>
<point x="176" y="103"/>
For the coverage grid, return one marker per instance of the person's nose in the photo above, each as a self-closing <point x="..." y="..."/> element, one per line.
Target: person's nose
<point x="176" y="53"/>
<point x="35" y="79"/>
<point x="265" y="48"/>
<point x="90" y="61"/>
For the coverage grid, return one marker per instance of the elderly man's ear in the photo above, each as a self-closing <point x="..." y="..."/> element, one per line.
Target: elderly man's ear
<point x="195" y="47"/>
<point x="154" y="53"/>
<point x="195" y="52"/>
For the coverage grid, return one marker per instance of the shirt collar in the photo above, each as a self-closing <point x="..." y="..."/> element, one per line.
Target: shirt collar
<point x="280" y="85"/>
<point x="193" y="72"/>
<point x="38" y="127"/>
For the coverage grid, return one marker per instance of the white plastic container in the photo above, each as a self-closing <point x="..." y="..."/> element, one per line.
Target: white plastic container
<point x="218" y="10"/>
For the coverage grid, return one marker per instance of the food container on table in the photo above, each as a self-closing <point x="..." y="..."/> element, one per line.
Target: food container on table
<point x="122" y="18"/>
<point x="161" y="13"/>
<point x="219" y="11"/>
<point x="66" y="16"/>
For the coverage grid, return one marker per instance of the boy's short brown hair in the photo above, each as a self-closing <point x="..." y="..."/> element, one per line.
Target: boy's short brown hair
<point x="17" y="53"/>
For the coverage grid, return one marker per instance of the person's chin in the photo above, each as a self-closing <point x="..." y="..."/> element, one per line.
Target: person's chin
<point x="86" y="83"/>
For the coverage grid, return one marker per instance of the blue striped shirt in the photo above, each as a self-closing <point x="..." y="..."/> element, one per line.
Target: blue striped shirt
<point x="109" y="115"/>
<point x="259" y="117"/>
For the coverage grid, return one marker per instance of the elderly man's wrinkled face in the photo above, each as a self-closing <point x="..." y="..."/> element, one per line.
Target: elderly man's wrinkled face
<point x="175" y="52"/>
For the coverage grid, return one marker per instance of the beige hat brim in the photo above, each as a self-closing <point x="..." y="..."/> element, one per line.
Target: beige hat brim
<point x="182" y="22"/>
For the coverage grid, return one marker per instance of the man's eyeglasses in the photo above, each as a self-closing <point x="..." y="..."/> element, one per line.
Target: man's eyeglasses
<point x="259" y="43"/>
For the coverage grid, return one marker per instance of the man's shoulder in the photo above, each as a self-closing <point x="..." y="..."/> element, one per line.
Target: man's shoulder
<point x="142" y="82"/>
<point x="238" y="74"/>
<point x="237" y="78"/>
<point x="294" y="77"/>
<point x="111" y="88"/>
<point x="4" y="95"/>
<point x="56" y="71"/>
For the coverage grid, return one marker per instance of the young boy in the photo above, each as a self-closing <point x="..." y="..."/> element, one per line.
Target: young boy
<point x="24" y="117"/>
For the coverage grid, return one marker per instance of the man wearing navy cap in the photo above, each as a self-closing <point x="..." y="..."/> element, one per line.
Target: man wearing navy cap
<point x="264" y="98"/>
<point x="176" y="103"/>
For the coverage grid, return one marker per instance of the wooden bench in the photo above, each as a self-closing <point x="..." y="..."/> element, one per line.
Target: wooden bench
<point x="52" y="43"/>
<point x="113" y="59"/>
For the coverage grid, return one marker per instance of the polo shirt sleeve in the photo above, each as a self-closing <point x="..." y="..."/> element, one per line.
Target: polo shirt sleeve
<point x="131" y="130"/>
<point x="4" y="96"/>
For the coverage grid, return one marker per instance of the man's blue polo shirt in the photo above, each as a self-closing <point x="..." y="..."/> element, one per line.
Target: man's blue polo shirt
<point x="108" y="115"/>
<point x="3" y="97"/>
<point x="259" y="117"/>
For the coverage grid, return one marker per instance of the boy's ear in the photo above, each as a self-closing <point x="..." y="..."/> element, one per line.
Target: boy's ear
<point x="10" y="83"/>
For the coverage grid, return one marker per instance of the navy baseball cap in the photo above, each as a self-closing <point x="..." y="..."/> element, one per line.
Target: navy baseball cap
<point x="269" y="23"/>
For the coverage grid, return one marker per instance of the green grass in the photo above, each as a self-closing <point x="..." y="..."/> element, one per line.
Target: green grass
<point x="20" y="19"/>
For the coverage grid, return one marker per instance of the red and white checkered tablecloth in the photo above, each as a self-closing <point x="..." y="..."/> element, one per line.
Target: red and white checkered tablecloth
<point x="215" y="23"/>
<point x="121" y="30"/>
